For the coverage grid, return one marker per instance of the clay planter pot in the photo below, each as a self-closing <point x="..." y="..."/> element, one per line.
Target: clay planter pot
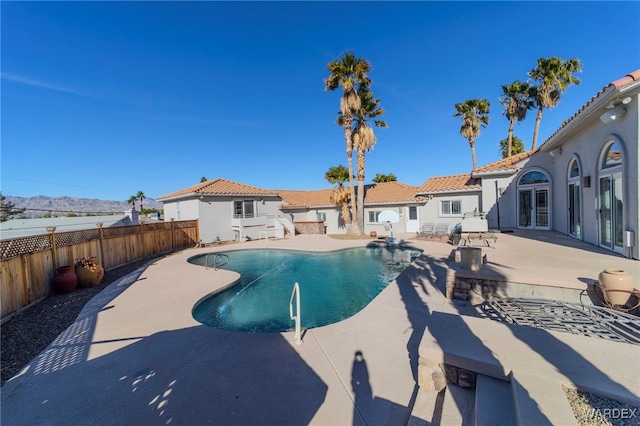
<point x="89" y="277"/>
<point x="65" y="280"/>
<point x="617" y="284"/>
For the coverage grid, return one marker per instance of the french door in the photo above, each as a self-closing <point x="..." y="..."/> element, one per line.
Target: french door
<point x="533" y="208"/>
<point x="610" y="213"/>
<point x="575" y="229"/>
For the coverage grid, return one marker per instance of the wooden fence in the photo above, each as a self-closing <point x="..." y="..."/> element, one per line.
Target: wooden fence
<point x="28" y="264"/>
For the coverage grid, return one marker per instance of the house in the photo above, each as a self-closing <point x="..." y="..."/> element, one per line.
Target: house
<point x="228" y="210"/>
<point x="582" y="181"/>
<point x="314" y="206"/>
<point x="19" y="228"/>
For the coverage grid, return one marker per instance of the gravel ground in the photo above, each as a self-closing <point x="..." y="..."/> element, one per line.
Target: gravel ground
<point x="29" y="332"/>
<point x="593" y="410"/>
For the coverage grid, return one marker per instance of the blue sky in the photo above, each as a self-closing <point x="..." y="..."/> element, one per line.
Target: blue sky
<point x="104" y="99"/>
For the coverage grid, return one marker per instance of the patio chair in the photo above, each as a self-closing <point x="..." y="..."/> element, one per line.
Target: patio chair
<point x="427" y="229"/>
<point x="442" y="229"/>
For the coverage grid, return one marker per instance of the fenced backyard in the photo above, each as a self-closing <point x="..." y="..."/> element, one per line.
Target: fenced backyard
<point x="28" y="264"/>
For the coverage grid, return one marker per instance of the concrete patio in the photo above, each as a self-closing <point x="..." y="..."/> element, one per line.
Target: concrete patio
<point x="136" y="356"/>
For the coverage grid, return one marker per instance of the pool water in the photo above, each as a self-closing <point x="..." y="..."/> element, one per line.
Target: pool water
<point x="333" y="286"/>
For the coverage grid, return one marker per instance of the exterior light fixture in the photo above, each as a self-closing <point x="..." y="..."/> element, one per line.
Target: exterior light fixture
<point x="555" y="152"/>
<point x="612" y="115"/>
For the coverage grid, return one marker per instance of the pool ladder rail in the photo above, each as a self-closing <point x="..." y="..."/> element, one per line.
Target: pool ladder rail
<point x="295" y="294"/>
<point x="220" y="259"/>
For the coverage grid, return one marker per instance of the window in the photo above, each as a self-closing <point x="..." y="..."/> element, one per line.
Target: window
<point x="413" y="213"/>
<point x="373" y="217"/>
<point x="322" y="216"/>
<point x="243" y="209"/>
<point x="612" y="156"/>
<point x="533" y="177"/>
<point x="450" y="207"/>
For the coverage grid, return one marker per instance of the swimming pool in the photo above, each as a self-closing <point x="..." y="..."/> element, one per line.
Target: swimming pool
<point x="333" y="286"/>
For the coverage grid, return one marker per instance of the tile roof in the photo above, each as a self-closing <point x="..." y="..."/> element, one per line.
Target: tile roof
<point x="628" y="79"/>
<point x="220" y="187"/>
<point x="380" y="193"/>
<point x="390" y="192"/>
<point x="462" y="182"/>
<point x="506" y="164"/>
<point x="306" y="198"/>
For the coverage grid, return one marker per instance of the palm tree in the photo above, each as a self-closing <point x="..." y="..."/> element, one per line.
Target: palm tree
<point x="339" y="195"/>
<point x="517" y="100"/>
<point x="380" y="178"/>
<point x="553" y="77"/>
<point x="363" y="137"/>
<point x="140" y="196"/>
<point x="345" y="72"/>
<point x="517" y="146"/>
<point x="132" y="200"/>
<point x="474" y="113"/>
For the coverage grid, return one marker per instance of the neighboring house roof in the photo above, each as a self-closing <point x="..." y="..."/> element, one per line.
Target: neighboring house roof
<point x="218" y="187"/>
<point x="603" y="96"/>
<point x="19" y="228"/>
<point x="451" y="183"/>
<point x="505" y="165"/>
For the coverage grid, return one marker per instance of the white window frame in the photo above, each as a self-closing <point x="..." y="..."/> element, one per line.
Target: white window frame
<point x="376" y="215"/>
<point x="450" y="204"/>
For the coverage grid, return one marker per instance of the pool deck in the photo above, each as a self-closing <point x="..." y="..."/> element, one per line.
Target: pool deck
<point x="136" y="356"/>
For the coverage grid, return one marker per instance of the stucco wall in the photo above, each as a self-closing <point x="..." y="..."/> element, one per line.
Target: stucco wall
<point x="430" y="212"/>
<point x="585" y="143"/>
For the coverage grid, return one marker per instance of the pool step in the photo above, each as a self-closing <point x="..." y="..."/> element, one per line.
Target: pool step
<point x="494" y="402"/>
<point x="454" y="405"/>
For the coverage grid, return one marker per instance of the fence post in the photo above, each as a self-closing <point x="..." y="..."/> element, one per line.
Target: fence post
<point x="144" y="251"/>
<point x="173" y="235"/>
<point x="197" y="231"/>
<point x="54" y="252"/>
<point x="100" y="236"/>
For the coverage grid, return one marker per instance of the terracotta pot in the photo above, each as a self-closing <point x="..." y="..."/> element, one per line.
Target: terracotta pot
<point x="65" y="280"/>
<point x="617" y="284"/>
<point x="88" y="277"/>
<point x="373" y="234"/>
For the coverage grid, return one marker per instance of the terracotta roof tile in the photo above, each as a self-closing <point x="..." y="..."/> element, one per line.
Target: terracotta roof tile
<point x="630" y="78"/>
<point x="380" y="193"/>
<point x="462" y="182"/>
<point x="506" y="164"/>
<point x="220" y="187"/>
<point x="390" y="192"/>
<point x="306" y="198"/>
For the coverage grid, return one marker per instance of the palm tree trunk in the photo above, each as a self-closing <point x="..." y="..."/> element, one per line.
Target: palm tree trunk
<point x="472" y="144"/>
<point x="352" y="189"/>
<point x="361" y="161"/>
<point x="510" y="138"/>
<point x="536" y="128"/>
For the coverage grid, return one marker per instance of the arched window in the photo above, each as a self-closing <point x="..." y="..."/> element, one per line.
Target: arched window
<point x="574" y="199"/>
<point x="612" y="156"/>
<point x="533" y="177"/>
<point x="533" y="200"/>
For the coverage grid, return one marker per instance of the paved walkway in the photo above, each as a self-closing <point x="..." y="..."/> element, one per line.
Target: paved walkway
<point x="136" y="356"/>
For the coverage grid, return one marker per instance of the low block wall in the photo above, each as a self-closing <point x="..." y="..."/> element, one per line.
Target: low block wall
<point x="310" y="227"/>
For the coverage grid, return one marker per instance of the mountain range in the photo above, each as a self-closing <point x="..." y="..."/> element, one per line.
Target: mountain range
<point x="41" y="205"/>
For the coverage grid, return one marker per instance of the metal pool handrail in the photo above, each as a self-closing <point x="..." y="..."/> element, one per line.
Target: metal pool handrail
<point x="296" y="294"/>
<point x="221" y="256"/>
